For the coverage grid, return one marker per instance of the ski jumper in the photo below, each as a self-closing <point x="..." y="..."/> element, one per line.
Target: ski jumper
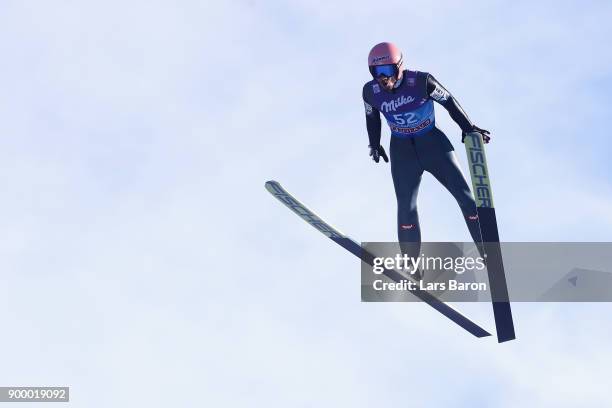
<point x="417" y="145"/>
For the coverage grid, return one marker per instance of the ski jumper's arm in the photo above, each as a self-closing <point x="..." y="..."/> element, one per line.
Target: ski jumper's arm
<point x="438" y="93"/>
<point x="372" y="122"/>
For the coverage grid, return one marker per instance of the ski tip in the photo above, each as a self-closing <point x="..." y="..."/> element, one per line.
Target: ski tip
<point x="272" y="186"/>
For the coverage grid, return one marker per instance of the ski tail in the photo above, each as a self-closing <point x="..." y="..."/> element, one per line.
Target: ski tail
<point x="353" y="247"/>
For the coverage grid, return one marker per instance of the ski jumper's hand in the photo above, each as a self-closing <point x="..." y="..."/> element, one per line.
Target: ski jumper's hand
<point x="484" y="133"/>
<point x="377" y="152"/>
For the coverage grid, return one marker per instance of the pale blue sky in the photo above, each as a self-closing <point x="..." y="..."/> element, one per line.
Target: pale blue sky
<point x="144" y="264"/>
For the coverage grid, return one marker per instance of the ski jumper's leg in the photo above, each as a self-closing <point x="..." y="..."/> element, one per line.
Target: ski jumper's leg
<point x="406" y="170"/>
<point x="443" y="165"/>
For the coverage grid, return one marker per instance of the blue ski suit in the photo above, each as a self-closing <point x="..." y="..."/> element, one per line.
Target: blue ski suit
<point x="417" y="145"/>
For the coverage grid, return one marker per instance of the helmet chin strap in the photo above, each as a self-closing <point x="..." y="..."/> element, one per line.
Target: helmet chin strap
<point x="400" y="73"/>
<point x="398" y="83"/>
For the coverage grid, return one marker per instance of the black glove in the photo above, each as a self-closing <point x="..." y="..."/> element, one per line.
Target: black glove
<point x="485" y="134"/>
<point x="377" y="152"/>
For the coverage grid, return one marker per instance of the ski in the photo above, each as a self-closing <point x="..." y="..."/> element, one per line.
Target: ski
<point x="353" y="247"/>
<point x="483" y="194"/>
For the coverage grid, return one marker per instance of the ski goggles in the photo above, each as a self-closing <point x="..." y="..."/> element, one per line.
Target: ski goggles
<point x="388" y="70"/>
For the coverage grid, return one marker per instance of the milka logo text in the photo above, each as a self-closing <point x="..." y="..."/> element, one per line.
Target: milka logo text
<point x="396" y="103"/>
